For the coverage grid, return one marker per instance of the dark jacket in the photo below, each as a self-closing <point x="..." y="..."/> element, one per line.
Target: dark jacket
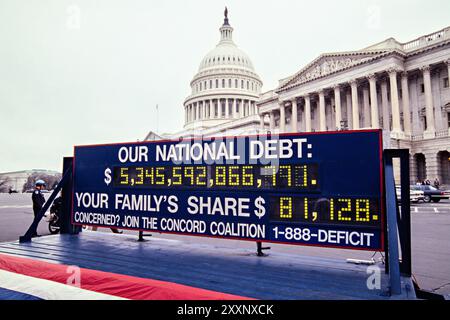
<point x="38" y="201"/>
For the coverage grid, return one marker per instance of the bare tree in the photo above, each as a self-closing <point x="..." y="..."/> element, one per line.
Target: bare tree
<point x="5" y="184"/>
<point x="51" y="180"/>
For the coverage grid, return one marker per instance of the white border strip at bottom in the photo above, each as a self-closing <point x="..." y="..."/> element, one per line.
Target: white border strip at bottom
<point x="49" y="290"/>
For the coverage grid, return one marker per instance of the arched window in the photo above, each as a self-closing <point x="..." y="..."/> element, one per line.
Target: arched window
<point x="223" y="83"/>
<point x="229" y="83"/>
<point x="236" y="83"/>
<point x="248" y="85"/>
<point x="217" y="83"/>
<point x="200" y="86"/>
<point x="210" y="84"/>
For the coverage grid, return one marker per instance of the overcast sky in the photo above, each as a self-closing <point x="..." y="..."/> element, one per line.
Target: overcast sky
<point x="91" y="71"/>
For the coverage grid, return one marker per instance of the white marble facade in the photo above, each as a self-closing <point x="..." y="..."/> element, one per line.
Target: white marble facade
<point x="402" y="88"/>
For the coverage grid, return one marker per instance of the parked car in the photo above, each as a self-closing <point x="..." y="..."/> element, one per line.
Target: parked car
<point x="414" y="195"/>
<point x="431" y="193"/>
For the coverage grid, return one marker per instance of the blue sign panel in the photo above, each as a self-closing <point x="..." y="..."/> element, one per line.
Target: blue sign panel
<point x="322" y="189"/>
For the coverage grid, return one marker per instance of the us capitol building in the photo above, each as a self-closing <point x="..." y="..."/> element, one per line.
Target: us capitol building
<point x="402" y="88"/>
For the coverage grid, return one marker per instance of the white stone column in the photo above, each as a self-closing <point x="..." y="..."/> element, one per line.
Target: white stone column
<point x="337" y="104"/>
<point x="330" y="115"/>
<point x="211" y="109"/>
<point x="447" y="62"/>
<point x="384" y="102"/>
<point x="282" y="117"/>
<point x="219" y="108"/>
<point x="448" y="69"/>
<point x="348" y="104"/>
<point x="294" y="111"/>
<point x="405" y="103"/>
<point x="235" y="113"/>
<point x="430" y="132"/>
<point x="396" y="125"/>
<point x="202" y="110"/>
<point x="241" y="108"/>
<point x="322" y="119"/>
<point x="366" y="105"/>
<point x="375" y="122"/>
<point x="189" y="113"/>
<point x="261" y="120"/>
<point x="272" y="121"/>
<point x="355" y="103"/>
<point x="227" y="114"/>
<point x="195" y="110"/>
<point x="307" y="113"/>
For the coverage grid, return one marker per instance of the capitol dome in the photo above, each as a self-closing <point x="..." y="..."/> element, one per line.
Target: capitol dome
<point x="226" y="54"/>
<point x="226" y="86"/>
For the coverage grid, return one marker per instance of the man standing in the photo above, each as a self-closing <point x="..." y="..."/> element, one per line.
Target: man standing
<point x="437" y="183"/>
<point x="38" y="199"/>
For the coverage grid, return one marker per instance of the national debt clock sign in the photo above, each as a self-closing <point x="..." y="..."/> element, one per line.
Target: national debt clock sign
<point x="322" y="189"/>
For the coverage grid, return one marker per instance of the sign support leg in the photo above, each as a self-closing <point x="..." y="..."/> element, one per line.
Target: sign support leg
<point x="260" y="248"/>
<point x="142" y="235"/>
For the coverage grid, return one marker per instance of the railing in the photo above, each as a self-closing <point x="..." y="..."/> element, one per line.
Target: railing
<point x="418" y="137"/>
<point x="425" y="40"/>
<point x="443" y="133"/>
<point x="411" y="44"/>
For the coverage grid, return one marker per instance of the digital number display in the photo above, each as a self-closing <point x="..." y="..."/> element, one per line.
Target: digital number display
<point x="302" y="177"/>
<point x="343" y="211"/>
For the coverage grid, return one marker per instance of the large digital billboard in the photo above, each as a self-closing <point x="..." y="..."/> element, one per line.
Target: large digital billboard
<point x="322" y="189"/>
